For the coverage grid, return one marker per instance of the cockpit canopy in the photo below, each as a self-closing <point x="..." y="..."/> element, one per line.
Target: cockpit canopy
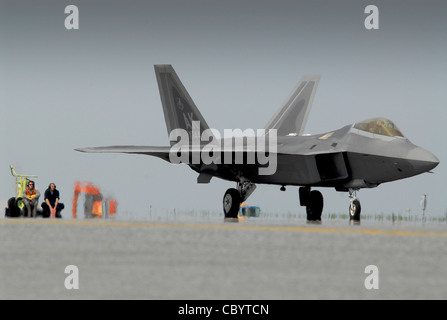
<point x="380" y="126"/>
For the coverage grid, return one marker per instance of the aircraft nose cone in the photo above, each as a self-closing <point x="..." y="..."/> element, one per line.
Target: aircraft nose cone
<point x="424" y="160"/>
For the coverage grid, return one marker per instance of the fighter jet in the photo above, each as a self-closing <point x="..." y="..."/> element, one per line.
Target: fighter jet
<point x="360" y="155"/>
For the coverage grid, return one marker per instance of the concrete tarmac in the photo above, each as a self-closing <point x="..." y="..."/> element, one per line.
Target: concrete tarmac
<point x="216" y="260"/>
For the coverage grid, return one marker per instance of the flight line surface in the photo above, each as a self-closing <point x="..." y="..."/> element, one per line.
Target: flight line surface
<point x="134" y="259"/>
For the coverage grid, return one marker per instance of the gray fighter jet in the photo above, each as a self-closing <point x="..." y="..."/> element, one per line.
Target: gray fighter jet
<point x="361" y="155"/>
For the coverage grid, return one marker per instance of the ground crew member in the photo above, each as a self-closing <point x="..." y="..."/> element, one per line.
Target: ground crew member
<point x="31" y="199"/>
<point x="52" y="207"/>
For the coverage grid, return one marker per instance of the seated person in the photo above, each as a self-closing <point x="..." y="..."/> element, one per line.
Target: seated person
<point x="30" y="200"/>
<point x="52" y="207"/>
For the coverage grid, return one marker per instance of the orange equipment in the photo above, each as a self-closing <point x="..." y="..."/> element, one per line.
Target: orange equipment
<point x="93" y="206"/>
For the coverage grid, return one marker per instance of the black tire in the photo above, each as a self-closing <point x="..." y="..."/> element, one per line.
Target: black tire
<point x="231" y="203"/>
<point x="45" y="210"/>
<point x="315" y="206"/>
<point x="11" y="203"/>
<point x="304" y="193"/>
<point x="13" y="209"/>
<point x="354" y="210"/>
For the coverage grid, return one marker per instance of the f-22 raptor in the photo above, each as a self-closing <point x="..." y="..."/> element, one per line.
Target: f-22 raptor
<point x="360" y="155"/>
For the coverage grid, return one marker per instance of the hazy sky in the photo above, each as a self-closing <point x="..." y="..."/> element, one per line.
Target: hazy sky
<point x="62" y="89"/>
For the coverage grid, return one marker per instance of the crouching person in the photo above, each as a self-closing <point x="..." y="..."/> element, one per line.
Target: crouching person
<point x="52" y="207"/>
<point x="31" y="200"/>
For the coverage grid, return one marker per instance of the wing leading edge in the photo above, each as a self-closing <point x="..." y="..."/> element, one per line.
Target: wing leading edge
<point x="159" y="152"/>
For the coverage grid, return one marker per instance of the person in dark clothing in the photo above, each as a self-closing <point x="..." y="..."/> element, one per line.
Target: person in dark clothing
<point x="52" y="207"/>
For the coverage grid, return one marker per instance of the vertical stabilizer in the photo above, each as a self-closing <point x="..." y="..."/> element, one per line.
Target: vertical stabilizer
<point x="292" y="116"/>
<point x="179" y="109"/>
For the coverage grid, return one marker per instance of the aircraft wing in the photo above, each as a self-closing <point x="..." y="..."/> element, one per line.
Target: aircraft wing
<point x="159" y="152"/>
<point x="292" y="116"/>
<point x="206" y="171"/>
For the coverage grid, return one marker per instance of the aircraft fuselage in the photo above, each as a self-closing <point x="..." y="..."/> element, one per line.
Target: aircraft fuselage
<point x="345" y="159"/>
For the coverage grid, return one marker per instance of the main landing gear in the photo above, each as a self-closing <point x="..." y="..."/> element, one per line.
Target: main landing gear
<point x="313" y="201"/>
<point x="234" y="197"/>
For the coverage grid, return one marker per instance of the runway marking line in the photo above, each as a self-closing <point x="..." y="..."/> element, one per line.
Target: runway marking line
<point x="229" y="226"/>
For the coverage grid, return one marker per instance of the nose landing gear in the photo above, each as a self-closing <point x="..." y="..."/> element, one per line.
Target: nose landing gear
<point x="354" y="207"/>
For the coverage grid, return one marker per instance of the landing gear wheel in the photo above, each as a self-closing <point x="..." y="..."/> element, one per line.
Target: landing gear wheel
<point x="354" y="211"/>
<point x="231" y="203"/>
<point x="315" y="207"/>
<point x="13" y="208"/>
